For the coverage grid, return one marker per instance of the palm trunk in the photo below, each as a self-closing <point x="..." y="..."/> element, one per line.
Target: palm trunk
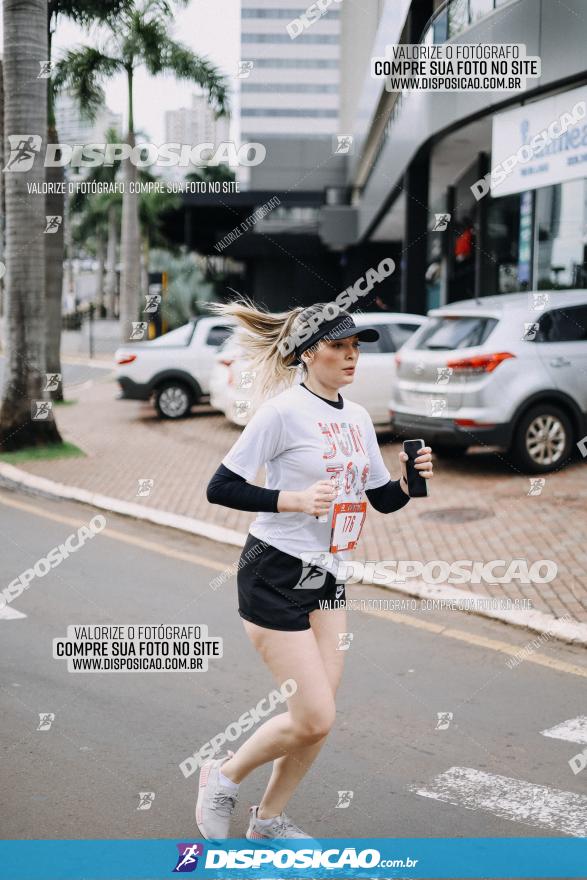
<point x="145" y="316"/>
<point x="130" y="245"/>
<point x="110" y="284"/>
<point x="68" y="285"/>
<point x="101" y="257"/>
<point x="2" y="200"/>
<point x="25" y="44"/>
<point x="54" y="251"/>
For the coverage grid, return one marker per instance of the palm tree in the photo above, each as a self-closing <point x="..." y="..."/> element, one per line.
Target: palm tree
<point x="138" y="38"/>
<point x="84" y="13"/>
<point x="25" y="121"/>
<point x="111" y="204"/>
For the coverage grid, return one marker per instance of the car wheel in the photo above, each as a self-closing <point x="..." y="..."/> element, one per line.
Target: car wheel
<point x="543" y="439"/>
<point x="448" y="451"/>
<point x="173" y="400"/>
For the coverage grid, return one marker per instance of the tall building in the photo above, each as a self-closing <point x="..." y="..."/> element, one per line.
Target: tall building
<point x="293" y="85"/>
<point x="196" y="124"/>
<point x="73" y="128"/>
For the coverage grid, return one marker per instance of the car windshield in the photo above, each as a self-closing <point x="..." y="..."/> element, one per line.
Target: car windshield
<point x="448" y="333"/>
<point x="179" y="336"/>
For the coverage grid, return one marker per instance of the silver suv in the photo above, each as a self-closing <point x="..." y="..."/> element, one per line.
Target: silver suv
<point x="507" y="371"/>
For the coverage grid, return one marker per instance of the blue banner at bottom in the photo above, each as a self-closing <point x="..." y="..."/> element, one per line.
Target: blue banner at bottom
<point x="382" y="857"/>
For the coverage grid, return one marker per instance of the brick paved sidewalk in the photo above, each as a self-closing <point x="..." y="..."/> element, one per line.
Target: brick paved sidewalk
<point x="125" y="442"/>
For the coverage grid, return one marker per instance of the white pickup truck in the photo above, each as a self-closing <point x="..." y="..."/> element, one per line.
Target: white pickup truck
<point x="174" y="368"/>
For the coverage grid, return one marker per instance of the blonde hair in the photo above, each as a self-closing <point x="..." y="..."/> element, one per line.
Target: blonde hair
<point x="260" y="334"/>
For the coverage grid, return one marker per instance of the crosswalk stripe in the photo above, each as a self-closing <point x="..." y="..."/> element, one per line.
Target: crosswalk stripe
<point x="573" y="730"/>
<point x="509" y="798"/>
<point x="8" y="613"/>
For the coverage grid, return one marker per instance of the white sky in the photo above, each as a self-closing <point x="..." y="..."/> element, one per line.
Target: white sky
<point x="208" y="27"/>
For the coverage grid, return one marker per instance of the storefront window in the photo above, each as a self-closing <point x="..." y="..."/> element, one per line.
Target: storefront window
<point x="503" y="226"/>
<point x="560" y="243"/>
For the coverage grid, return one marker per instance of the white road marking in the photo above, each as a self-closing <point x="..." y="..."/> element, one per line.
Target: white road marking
<point x="8" y="613"/>
<point x="573" y="730"/>
<point x="508" y="798"/>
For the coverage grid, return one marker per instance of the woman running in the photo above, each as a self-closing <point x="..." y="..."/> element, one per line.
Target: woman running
<point x="322" y="458"/>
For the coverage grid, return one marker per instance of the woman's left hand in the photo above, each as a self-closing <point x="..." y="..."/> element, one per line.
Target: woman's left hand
<point x="422" y="463"/>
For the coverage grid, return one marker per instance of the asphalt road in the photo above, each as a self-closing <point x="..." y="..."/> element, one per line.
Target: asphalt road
<point x="117" y="734"/>
<point x="74" y="374"/>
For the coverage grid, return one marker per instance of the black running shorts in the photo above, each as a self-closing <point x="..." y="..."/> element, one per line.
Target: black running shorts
<point x="278" y="591"/>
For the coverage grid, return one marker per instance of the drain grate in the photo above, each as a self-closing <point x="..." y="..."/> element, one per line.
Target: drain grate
<point x="457" y="514"/>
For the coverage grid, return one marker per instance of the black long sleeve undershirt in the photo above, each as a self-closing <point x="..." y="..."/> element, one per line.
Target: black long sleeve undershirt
<point x="231" y="490"/>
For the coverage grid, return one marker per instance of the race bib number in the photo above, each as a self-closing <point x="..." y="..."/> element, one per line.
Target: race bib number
<point x="347" y="522"/>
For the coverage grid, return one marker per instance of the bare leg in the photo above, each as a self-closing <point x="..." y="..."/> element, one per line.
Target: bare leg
<point x="311" y="709"/>
<point x="289" y="769"/>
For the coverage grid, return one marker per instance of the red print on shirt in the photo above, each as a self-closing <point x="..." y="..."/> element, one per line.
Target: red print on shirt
<point x="344" y="439"/>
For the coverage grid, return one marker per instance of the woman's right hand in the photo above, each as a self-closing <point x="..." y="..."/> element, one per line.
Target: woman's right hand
<point x="317" y="498"/>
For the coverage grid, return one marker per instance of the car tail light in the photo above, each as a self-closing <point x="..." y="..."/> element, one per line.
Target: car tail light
<point x="480" y="363"/>
<point x="126" y="358"/>
<point x="472" y="423"/>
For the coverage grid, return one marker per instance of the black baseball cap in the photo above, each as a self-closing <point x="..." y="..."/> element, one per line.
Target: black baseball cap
<point x="340" y="327"/>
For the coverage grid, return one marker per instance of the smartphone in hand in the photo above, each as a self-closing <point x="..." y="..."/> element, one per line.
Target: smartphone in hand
<point x="417" y="487"/>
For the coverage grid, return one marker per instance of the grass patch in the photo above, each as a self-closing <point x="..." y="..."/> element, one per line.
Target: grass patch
<point x="64" y="402"/>
<point x="42" y="453"/>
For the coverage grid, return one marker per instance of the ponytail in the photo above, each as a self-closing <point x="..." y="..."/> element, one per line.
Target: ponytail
<point x="259" y="335"/>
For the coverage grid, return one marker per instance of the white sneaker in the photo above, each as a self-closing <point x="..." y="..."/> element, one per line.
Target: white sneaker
<point x="216" y="802"/>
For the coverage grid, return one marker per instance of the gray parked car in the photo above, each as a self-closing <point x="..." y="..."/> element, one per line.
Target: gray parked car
<point x="508" y="371"/>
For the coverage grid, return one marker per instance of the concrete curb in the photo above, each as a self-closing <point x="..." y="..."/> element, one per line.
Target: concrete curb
<point x="537" y="621"/>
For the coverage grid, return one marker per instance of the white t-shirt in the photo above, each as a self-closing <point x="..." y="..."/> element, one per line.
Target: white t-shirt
<point x="301" y="439"/>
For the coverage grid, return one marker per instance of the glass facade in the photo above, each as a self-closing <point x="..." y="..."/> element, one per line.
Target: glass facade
<point x="534" y="240"/>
